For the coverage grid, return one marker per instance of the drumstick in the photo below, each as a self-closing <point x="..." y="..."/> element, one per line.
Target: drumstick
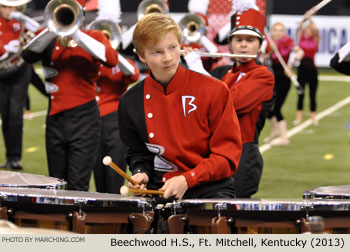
<point x="107" y="160"/>
<point x="124" y="190"/>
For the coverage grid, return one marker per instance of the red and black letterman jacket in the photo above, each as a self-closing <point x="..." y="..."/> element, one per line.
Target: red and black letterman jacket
<point x="111" y="84"/>
<point x="251" y="85"/>
<point x="191" y="129"/>
<point x="9" y="30"/>
<point x="74" y="71"/>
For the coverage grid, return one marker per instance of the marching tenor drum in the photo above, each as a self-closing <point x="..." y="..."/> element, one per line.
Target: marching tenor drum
<point x="256" y="215"/>
<point x="18" y="179"/>
<point x="79" y="212"/>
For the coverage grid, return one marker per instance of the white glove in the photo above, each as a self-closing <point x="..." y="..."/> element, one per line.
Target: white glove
<point x="29" y="23"/>
<point x="194" y="62"/>
<point x="12" y="46"/>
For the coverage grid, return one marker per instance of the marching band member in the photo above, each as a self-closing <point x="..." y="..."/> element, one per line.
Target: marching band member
<point x="14" y="84"/>
<point x="180" y="126"/>
<point x="111" y="84"/>
<point x="251" y="85"/>
<point x="285" y="45"/>
<point x="73" y="121"/>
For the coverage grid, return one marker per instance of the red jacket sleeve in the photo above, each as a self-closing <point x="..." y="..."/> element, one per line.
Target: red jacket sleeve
<point x="111" y="54"/>
<point x="253" y="90"/>
<point x="128" y="79"/>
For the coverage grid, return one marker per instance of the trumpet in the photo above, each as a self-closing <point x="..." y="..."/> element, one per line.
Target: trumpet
<point x="149" y="6"/>
<point x="220" y="55"/>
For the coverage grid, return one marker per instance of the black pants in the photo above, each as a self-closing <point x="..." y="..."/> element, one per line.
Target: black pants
<point x="282" y="86"/>
<point x="247" y="177"/>
<point x="72" y="141"/>
<point x="106" y="179"/>
<point x="13" y="92"/>
<point x="307" y="73"/>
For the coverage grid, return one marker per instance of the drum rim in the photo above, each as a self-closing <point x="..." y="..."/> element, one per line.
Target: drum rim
<point x="288" y="205"/>
<point x="66" y="197"/>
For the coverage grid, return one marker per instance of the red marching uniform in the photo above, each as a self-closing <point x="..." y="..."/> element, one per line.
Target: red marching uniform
<point x="73" y="121"/>
<point x="111" y="84"/>
<point x="75" y="65"/>
<point x="189" y="129"/>
<point x="251" y="86"/>
<point x="9" y="30"/>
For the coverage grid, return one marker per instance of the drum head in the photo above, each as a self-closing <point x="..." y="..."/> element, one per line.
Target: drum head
<point x="18" y="179"/>
<point x="330" y="192"/>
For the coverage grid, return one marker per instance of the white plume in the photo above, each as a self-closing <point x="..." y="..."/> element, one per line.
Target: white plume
<point x="199" y="6"/>
<point x="109" y="10"/>
<point x="240" y="6"/>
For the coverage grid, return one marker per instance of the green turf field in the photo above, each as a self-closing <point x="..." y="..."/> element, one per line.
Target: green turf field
<point x="318" y="156"/>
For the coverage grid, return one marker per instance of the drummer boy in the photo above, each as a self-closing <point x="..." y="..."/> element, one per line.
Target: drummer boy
<point x="180" y="126"/>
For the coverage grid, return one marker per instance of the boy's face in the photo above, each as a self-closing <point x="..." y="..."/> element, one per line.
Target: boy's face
<point x="245" y="44"/>
<point x="163" y="57"/>
<point x="6" y="10"/>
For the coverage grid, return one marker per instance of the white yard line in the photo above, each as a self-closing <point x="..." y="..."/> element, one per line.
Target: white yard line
<point x="307" y="123"/>
<point x="39" y="113"/>
<point x="333" y="78"/>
